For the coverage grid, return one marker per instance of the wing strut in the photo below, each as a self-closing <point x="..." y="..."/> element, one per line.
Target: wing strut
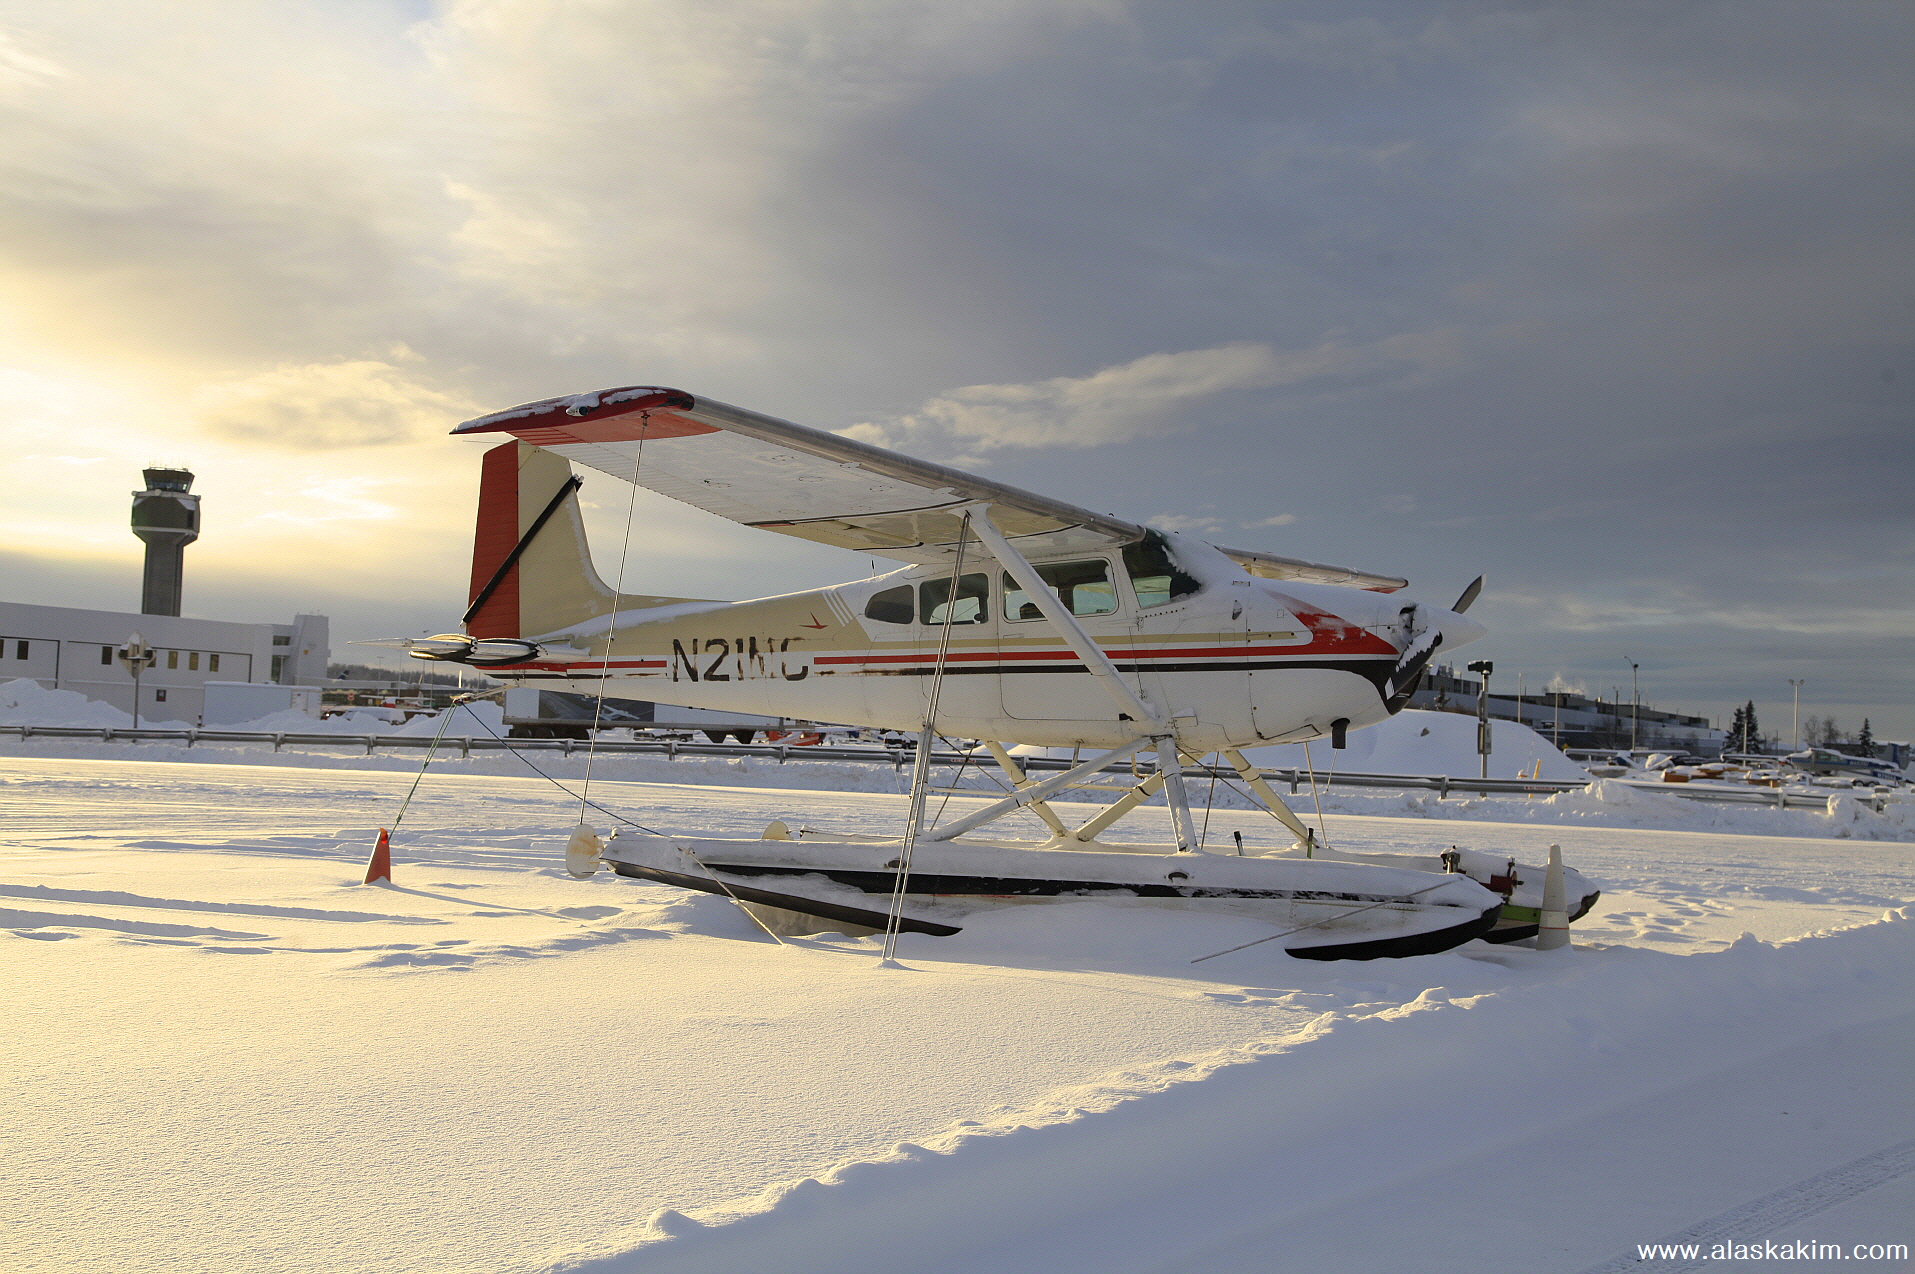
<point x="1153" y="724"/>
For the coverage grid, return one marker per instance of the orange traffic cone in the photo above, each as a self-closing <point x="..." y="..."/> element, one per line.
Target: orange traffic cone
<point x="379" y="867"/>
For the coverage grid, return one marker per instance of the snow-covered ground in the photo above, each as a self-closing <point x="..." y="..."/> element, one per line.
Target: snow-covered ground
<point x="227" y="1055"/>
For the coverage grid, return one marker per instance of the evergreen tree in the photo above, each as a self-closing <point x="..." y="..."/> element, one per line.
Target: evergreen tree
<point x="1738" y="732"/>
<point x="1866" y="738"/>
<point x="1750" y="730"/>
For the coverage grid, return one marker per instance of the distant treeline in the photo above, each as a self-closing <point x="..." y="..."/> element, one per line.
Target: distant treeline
<point x="405" y="676"/>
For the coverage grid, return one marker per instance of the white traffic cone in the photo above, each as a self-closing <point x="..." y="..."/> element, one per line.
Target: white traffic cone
<point x="1553" y="931"/>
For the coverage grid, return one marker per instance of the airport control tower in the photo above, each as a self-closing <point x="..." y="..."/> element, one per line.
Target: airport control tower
<point x="167" y="518"/>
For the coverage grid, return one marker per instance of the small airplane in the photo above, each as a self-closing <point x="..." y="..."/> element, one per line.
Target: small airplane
<point x="1829" y="762"/>
<point x="1014" y="619"/>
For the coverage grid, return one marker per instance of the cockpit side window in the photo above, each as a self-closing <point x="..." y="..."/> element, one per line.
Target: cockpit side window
<point x="892" y="606"/>
<point x="1154" y="574"/>
<point x="973" y="599"/>
<point x="1084" y="587"/>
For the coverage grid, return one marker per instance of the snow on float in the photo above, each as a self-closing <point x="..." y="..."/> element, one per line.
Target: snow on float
<point x="1334" y="911"/>
<point x="1016" y="619"/>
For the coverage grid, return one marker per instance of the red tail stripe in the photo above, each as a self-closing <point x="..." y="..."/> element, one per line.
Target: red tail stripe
<point x="495" y="536"/>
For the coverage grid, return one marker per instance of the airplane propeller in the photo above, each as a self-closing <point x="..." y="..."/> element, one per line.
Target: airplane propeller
<point x="1421" y="648"/>
<point x="1470" y="594"/>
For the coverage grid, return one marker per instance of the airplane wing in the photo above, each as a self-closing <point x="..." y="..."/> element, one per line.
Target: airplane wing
<point x="803" y="482"/>
<point x="1270" y="566"/>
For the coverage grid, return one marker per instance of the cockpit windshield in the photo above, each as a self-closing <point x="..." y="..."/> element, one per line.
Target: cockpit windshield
<point x="1154" y="574"/>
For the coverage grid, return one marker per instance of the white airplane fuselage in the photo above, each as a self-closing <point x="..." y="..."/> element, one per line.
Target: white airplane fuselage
<point x="1231" y="661"/>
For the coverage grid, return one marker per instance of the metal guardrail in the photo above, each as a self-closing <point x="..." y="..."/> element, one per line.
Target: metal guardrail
<point x="1773" y="798"/>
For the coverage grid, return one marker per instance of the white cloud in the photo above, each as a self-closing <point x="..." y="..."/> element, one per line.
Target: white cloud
<point x="1146" y="395"/>
<point x="335" y="500"/>
<point x="1281" y="519"/>
<point x="321" y="406"/>
<point x="1186" y="522"/>
<point x="21" y="68"/>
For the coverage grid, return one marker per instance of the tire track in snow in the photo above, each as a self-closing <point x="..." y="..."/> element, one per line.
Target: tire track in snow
<point x="1762" y="1217"/>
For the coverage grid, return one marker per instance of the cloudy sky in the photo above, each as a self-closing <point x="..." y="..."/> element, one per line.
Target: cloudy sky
<point x="1610" y="302"/>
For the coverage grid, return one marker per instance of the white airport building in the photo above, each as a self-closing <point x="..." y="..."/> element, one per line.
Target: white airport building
<point x="63" y="648"/>
<point x="67" y="649"/>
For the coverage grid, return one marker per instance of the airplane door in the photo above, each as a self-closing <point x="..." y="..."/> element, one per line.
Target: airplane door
<point x="1043" y="680"/>
<point x="967" y="693"/>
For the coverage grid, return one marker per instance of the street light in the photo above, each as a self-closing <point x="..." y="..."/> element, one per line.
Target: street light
<point x="1635" y="705"/>
<point x="138" y="657"/>
<point x="1485" y="667"/>
<point x="1795" y="715"/>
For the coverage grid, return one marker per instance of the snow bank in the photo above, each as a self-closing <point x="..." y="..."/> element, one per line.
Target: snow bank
<point x="484" y="719"/>
<point x="1430" y="743"/>
<point x="27" y="702"/>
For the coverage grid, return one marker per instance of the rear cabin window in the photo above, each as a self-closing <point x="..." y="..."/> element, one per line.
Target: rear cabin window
<point x="1154" y="575"/>
<point x="1084" y="587"/>
<point x="892" y="606"/>
<point x="973" y="600"/>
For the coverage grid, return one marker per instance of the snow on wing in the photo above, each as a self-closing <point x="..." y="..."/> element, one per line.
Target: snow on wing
<point x="778" y="476"/>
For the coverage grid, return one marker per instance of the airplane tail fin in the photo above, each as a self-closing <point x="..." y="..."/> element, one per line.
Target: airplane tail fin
<point x="531" y="567"/>
<point x="532" y="570"/>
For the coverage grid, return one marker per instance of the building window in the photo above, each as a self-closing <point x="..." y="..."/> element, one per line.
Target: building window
<point x="279" y="666"/>
<point x="192" y="662"/>
<point x="159" y="696"/>
<point x="106" y="654"/>
<point x="172" y="659"/>
<point x="20" y="650"/>
<point x="282" y="639"/>
<point x="212" y="663"/>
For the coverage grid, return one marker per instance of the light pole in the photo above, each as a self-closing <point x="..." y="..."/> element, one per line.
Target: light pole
<point x="1635" y="706"/>
<point x="1485" y="668"/>
<point x="138" y="657"/>
<point x="1795" y="715"/>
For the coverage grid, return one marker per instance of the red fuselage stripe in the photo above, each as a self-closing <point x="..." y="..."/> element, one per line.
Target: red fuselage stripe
<point x="1118" y="654"/>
